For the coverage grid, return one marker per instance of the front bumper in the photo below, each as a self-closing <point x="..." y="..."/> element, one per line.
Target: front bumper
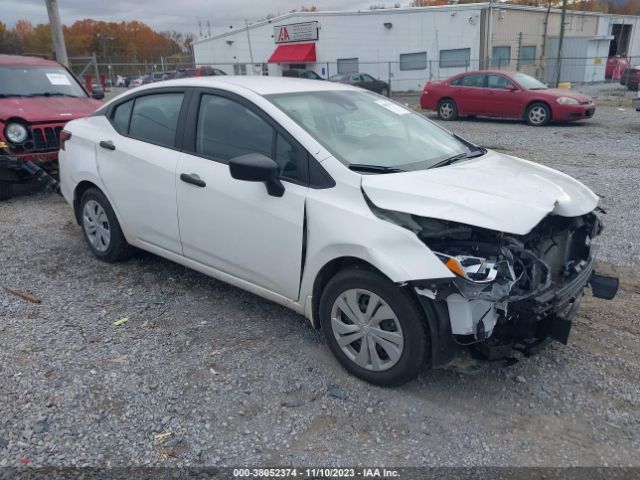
<point x="567" y="113"/>
<point x="18" y="170"/>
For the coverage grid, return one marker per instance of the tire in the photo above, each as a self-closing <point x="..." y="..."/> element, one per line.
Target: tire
<point x="6" y="190"/>
<point x="101" y="229"/>
<point x="447" y="110"/>
<point x="538" y="114"/>
<point x="384" y="92"/>
<point x="403" y="352"/>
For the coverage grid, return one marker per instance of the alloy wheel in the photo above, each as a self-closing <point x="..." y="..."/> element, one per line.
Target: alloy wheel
<point x="446" y="110"/>
<point x="537" y="115"/>
<point x="367" y="329"/>
<point x="96" y="225"/>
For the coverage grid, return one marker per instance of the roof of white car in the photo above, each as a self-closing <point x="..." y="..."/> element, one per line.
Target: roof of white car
<point x="261" y="85"/>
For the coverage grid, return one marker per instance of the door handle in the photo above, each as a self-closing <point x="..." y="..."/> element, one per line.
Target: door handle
<point x="108" y="144"/>
<point x="193" y="179"/>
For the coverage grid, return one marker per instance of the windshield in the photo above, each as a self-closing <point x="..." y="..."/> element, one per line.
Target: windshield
<point x="37" y="81"/>
<point x="341" y="77"/>
<point x="529" y="83"/>
<point x="362" y="128"/>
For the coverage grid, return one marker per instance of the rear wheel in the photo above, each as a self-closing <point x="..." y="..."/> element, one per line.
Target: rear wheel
<point x="447" y="109"/>
<point x="101" y="228"/>
<point x="6" y="190"/>
<point x="374" y="328"/>
<point x="538" y="114"/>
<point x="384" y="92"/>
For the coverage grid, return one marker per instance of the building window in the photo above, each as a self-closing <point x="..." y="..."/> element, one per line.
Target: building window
<point x="527" y="55"/>
<point x="348" y="65"/>
<point x="459" y="57"/>
<point x="501" y="56"/>
<point x="413" y="61"/>
<point x="239" y="69"/>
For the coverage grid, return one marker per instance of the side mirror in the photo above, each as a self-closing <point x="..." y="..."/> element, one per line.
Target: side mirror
<point x="511" y="88"/>
<point x="256" y="167"/>
<point x="97" y="94"/>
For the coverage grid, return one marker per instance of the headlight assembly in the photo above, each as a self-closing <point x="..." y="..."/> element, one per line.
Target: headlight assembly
<point x="567" y="101"/>
<point x="474" y="269"/>
<point x="16" y="133"/>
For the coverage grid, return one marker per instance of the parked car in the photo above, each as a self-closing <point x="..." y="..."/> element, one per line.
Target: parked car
<point x="636" y="102"/>
<point x="362" y="80"/>
<point x="137" y="81"/>
<point x="201" y="72"/>
<point x="406" y="244"/>
<point x="301" y="73"/>
<point x="37" y="98"/>
<point x="505" y="95"/>
<point x="631" y="78"/>
<point x="615" y="66"/>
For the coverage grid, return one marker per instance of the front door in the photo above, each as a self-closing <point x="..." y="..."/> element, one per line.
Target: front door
<point x="232" y="225"/>
<point x="502" y="98"/>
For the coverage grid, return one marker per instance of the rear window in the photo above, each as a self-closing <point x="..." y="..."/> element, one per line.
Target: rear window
<point x="155" y="118"/>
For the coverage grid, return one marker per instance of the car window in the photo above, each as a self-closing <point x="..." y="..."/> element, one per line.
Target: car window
<point x="367" y="78"/>
<point x="155" y="118"/>
<point x="121" y="117"/>
<point x="473" y="80"/>
<point x="456" y="81"/>
<point x="227" y="129"/>
<point x="498" y="81"/>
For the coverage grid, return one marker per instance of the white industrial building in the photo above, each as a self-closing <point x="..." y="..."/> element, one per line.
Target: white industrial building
<point x="410" y="46"/>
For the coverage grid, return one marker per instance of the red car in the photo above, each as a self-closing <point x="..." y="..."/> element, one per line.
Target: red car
<point x="37" y="98"/>
<point x="506" y="95"/>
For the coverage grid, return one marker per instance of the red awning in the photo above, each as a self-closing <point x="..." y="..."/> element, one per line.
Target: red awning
<point x="297" y="53"/>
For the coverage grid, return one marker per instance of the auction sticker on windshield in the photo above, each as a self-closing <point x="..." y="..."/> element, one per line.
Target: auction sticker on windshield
<point x="392" y="107"/>
<point x="58" y="79"/>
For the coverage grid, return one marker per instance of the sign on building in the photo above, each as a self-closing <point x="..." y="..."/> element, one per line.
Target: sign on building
<point x="297" y="32"/>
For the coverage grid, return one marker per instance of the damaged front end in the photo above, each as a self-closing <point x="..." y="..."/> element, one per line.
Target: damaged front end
<point x="510" y="292"/>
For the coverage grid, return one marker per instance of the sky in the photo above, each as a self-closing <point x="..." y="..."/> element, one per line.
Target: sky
<point x="180" y="15"/>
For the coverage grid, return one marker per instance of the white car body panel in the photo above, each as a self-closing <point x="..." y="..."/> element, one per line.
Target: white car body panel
<point x="495" y="191"/>
<point x="238" y="228"/>
<point x="139" y="178"/>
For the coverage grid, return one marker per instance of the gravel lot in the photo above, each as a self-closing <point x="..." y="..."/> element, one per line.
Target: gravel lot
<point x="205" y="374"/>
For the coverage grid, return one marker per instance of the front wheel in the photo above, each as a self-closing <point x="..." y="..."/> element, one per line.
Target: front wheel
<point x="375" y="328"/>
<point x="538" y="114"/>
<point x="101" y="228"/>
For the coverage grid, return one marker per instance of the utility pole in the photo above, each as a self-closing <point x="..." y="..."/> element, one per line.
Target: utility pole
<point x="560" y="40"/>
<point x="544" y="43"/>
<point x="56" y="32"/>
<point x="246" y="24"/>
<point x="519" y="51"/>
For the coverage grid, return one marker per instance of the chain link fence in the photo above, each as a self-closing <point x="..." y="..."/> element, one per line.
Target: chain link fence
<point x="616" y="75"/>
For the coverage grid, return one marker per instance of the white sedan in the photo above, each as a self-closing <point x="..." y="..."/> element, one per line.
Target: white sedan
<point x="407" y="245"/>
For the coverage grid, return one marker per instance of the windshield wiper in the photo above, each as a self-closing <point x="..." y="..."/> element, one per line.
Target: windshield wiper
<point x="51" y="94"/>
<point x="363" y="167"/>
<point x="462" y="156"/>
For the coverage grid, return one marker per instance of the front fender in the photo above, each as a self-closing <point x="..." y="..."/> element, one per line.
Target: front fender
<point x="340" y="224"/>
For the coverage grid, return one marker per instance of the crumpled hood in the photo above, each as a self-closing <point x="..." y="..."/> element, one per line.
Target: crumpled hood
<point x="47" y="109"/>
<point x="495" y="191"/>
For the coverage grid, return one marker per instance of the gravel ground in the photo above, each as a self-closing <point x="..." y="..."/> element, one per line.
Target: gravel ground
<point x="206" y="374"/>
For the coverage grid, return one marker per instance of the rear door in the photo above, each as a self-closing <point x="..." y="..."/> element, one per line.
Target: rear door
<point x="469" y="92"/>
<point x="137" y="160"/>
<point x="502" y="97"/>
<point x="232" y="225"/>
